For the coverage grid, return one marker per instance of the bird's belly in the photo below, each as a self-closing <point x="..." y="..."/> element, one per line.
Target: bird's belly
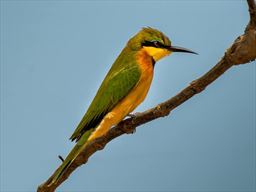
<point x="124" y="107"/>
<point x="132" y="100"/>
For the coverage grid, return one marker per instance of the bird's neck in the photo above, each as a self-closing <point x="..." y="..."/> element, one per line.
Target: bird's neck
<point x="145" y="61"/>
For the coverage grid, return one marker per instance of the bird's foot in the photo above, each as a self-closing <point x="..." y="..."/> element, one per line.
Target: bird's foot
<point x="131" y="115"/>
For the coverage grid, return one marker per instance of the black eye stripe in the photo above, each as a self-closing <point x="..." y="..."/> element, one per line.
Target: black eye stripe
<point x="152" y="44"/>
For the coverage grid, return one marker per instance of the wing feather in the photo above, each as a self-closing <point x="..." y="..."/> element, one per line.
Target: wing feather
<point x="117" y="84"/>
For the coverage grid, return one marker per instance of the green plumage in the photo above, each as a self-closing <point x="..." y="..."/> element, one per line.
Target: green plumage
<point x="121" y="78"/>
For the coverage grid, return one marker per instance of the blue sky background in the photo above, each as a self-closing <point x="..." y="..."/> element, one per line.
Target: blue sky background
<point x="54" y="55"/>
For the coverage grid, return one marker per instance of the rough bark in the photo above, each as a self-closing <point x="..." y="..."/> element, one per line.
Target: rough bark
<point x="242" y="51"/>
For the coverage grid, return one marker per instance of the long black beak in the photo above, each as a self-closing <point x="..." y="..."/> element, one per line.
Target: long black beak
<point x="180" y="49"/>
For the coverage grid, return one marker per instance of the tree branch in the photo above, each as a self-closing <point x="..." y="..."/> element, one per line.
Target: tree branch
<point x="242" y="51"/>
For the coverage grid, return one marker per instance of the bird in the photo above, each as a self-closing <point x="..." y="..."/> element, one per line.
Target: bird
<point x="124" y="87"/>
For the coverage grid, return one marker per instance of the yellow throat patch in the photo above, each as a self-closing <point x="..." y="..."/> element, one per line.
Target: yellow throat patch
<point x="156" y="53"/>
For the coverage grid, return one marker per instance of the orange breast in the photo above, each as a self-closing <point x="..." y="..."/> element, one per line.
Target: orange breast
<point x="132" y="100"/>
<point x="139" y="92"/>
<point x="145" y="62"/>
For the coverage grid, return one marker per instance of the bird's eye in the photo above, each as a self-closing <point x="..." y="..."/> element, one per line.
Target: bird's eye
<point x="152" y="44"/>
<point x="156" y="44"/>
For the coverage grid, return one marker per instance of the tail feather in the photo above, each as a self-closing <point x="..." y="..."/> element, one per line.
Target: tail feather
<point x="72" y="156"/>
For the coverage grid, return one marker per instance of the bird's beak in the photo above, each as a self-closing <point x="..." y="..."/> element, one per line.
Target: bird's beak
<point x="180" y="49"/>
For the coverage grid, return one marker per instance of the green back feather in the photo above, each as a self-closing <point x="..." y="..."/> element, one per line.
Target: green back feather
<point x="121" y="78"/>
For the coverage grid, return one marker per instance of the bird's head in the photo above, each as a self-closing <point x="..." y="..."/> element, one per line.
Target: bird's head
<point x="155" y="43"/>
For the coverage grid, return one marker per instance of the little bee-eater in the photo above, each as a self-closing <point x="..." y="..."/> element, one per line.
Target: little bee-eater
<point x="123" y="89"/>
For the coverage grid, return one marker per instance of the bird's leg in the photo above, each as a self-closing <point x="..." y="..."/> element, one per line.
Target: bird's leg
<point x="132" y="115"/>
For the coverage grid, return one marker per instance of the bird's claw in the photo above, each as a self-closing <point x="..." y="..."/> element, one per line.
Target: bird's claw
<point x="131" y="115"/>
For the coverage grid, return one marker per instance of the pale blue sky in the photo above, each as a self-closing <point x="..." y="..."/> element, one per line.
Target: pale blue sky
<point x="54" y="55"/>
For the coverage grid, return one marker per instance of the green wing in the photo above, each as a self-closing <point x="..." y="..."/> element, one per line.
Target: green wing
<point x="119" y="81"/>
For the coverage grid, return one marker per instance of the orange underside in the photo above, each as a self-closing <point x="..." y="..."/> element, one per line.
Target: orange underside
<point x="132" y="100"/>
